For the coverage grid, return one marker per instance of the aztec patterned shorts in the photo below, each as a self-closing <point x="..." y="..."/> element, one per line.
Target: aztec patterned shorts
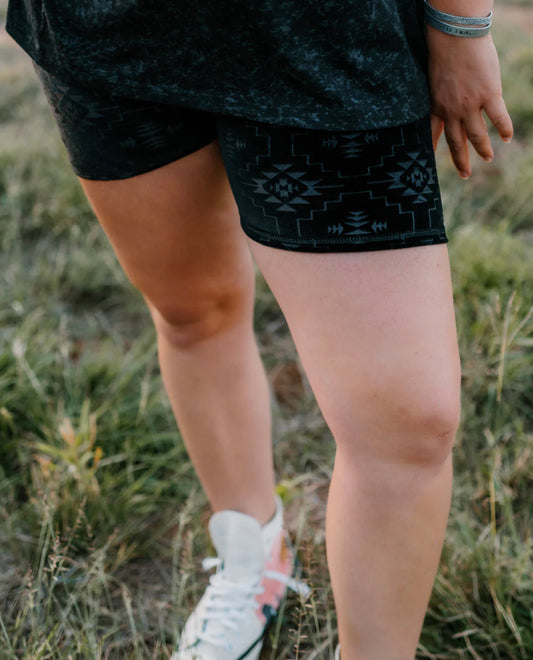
<point x="296" y="188"/>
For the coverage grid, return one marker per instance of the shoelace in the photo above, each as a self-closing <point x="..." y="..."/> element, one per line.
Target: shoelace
<point x="222" y="594"/>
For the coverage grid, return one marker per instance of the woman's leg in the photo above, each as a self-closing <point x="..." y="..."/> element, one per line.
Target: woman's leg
<point x="376" y="335"/>
<point x="176" y="233"/>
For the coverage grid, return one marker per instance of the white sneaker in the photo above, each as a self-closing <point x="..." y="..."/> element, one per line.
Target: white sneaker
<point x="254" y="568"/>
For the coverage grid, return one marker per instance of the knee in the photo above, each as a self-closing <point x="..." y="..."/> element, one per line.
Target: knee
<point x="429" y="434"/>
<point x="409" y="425"/>
<point x="192" y="318"/>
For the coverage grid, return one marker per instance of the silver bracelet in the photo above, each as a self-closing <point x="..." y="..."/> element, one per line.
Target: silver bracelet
<point x="455" y="30"/>
<point x="486" y="21"/>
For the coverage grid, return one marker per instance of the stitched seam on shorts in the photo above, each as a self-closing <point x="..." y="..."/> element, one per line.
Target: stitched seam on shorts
<point x="353" y="240"/>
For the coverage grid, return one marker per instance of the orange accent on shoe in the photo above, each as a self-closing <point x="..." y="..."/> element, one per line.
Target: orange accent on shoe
<point x="281" y="560"/>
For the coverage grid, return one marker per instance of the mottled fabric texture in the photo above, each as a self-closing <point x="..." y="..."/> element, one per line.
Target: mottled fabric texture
<point x="325" y="64"/>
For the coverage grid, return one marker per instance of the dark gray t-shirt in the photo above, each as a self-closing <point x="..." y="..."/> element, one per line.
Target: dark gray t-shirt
<point x="326" y="64"/>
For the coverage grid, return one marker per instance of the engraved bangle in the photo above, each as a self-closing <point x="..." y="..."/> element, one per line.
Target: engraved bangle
<point x="459" y="20"/>
<point x="455" y="30"/>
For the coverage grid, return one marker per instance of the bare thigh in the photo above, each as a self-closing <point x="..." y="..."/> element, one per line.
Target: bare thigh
<point x="377" y="337"/>
<point x="176" y="233"/>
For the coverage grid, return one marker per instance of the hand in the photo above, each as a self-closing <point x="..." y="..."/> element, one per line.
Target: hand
<point x="464" y="77"/>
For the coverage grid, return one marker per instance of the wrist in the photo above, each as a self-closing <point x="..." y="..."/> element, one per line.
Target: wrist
<point x="463" y="8"/>
<point x="436" y="37"/>
<point x="459" y="24"/>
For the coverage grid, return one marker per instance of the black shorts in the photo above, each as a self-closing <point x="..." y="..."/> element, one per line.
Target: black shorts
<point x="296" y="188"/>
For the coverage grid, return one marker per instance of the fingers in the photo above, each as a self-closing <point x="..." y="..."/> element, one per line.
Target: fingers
<point x="497" y="113"/>
<point x="458" y="145"/>
<point x="476" y="131"/>
<point x="476" y="127"/>
<point x="437" y="126"/>
<point x="473" y="128"/>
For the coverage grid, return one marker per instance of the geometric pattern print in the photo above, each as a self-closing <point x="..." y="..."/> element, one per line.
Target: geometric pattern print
<point x="410" y="179"/>
<point x="324" y="187"/>
<point x="130" y="125"/>
<point x="277" y="188"/>
<point x="296" y="188"/>
<point x="108" y="137"/>
<point x="286" y="186"/>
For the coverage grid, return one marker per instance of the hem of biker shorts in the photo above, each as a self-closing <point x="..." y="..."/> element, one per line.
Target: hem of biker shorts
<point x="347" y="244"/>
<point x="145" y="167"/>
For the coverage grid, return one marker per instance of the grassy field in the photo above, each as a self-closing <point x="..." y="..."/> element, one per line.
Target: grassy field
<point x="102" y="519"/>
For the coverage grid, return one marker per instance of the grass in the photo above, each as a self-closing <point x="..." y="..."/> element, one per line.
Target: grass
<point x="102" y="518"/>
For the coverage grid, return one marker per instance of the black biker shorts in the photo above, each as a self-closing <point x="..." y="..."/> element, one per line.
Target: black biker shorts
<point x="295" y="188"/>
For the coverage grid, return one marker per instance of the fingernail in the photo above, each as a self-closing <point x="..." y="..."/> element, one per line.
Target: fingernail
<point x="465" y="175"/>
<point x="507" y="139"/>
<point x="488" y="159"/>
